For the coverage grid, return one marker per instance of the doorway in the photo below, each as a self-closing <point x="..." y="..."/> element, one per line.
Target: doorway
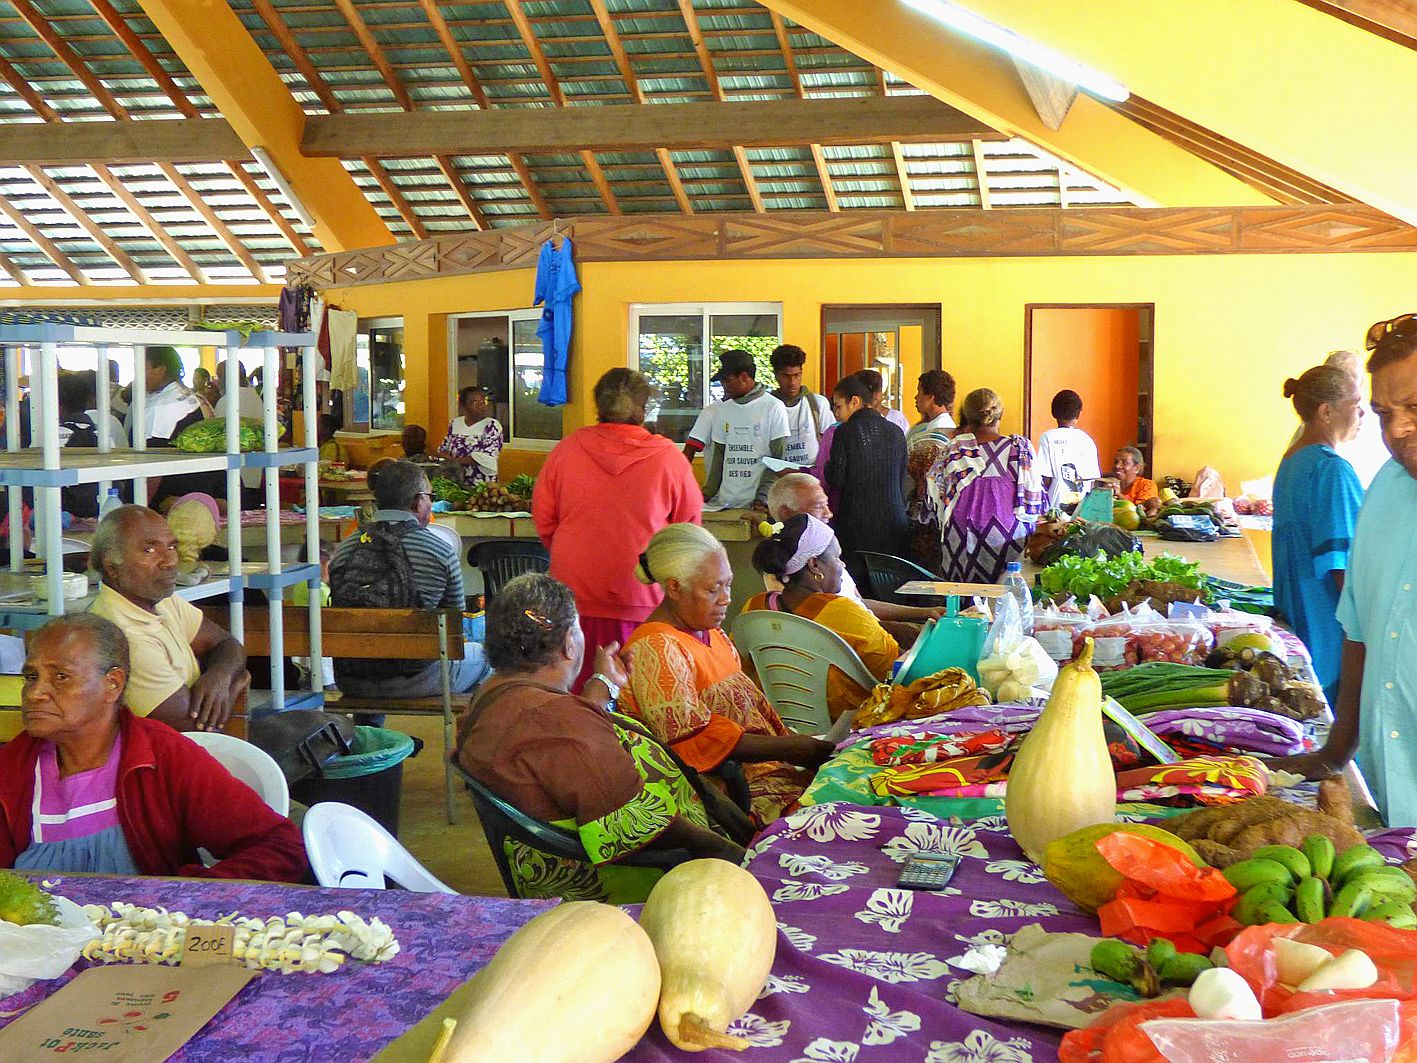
<point x="900" y="341"/>
<point x="1103" y="351"/>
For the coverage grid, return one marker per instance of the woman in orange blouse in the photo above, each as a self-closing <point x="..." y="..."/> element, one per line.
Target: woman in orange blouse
<point x="1126" y="468"/>
<point x="687" y="683"/>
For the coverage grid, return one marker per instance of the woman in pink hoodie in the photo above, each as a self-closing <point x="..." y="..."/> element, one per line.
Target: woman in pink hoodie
<point x="602" y="493"/>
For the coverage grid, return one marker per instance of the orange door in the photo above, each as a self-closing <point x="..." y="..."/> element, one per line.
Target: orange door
<point x="1093" y="351"/>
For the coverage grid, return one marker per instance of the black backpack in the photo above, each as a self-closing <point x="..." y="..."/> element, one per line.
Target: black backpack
<point x="375" y="573"/>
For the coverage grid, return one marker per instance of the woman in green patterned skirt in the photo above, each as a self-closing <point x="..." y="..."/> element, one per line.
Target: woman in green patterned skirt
<point x="572" y="761"/>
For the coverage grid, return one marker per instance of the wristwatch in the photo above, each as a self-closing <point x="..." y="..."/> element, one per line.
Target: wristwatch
<point x="609" y="685"/>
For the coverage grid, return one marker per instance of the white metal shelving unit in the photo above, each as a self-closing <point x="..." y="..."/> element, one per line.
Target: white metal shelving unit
<point x="45" y="467"/>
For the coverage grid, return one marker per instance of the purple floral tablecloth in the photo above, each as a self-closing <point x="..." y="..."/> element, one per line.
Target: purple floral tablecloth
<point x="343" y="1017"/>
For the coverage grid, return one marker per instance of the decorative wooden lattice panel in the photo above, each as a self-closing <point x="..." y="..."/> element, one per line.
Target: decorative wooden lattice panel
<point x="880" y="234"/>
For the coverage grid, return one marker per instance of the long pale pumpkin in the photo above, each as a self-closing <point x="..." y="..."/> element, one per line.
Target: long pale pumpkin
<point x="1062" y="779"/>
<point x="715" y="934"/>
<point x="577" y="984"/>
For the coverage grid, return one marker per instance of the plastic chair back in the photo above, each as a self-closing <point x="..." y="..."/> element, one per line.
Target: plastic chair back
<point x="886" y="573"/>
<point x="500" y="560"/>
<point x="502" y="820"/>
<point x="792" y="657"/>
<point x="351" y="850"/>
<point x="251" y="764"/>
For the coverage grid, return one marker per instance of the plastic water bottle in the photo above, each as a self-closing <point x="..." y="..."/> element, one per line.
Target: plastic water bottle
<point x="1015" y="584"/>
<point x="110" y="503"/>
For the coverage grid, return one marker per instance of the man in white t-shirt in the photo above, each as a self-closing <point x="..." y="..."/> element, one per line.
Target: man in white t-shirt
<point x="170" y="405"/>
<point x="748" y="426"/>
<point x="808" y="415"/>
<point x="1067" y="456"/>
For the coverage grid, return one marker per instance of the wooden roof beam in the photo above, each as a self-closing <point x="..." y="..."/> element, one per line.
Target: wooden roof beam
<point x="47" y="246"/>
<point x="223" y="232"/>
<point x="145" y="218"/>
<point x="983" y="83"/>
<point x="66" y="202"/>
<point x="902" y="173"/>
<point x="59" y="143"/>
<point x="1316" y="98"/>
<point x="638" y="127"/>
<point x="632" y="85"/>
<point x="233" y="71"/>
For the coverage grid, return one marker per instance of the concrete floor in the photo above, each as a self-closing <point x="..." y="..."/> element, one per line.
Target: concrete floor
<point x="456" y="853"/>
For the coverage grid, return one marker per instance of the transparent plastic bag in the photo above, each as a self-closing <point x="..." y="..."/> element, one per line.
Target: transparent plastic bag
<point x="1352" y="1031"/>
<point x="30" y="954"/>
<point x="1013" y="663"/>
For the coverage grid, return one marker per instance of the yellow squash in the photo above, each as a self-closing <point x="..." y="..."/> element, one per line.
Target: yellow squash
<point x="1062" y="779"/>
<point x="577" y="984"/>
<point x="715" y="935"/>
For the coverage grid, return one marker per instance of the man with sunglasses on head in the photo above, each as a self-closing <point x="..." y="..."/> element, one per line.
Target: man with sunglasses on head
<point x="398" y="562"/>
<point x="1376" y="714"/>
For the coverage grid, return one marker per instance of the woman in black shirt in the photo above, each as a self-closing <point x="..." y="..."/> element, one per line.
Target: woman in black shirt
<point x="867" y="469"/>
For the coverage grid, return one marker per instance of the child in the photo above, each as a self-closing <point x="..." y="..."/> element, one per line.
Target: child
<point x="1067" y="456"/>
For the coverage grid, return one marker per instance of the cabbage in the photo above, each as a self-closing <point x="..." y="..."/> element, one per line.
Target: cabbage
<point x="209" y="437"/>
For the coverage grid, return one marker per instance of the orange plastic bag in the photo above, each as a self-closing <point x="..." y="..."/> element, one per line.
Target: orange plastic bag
<point x="1165" y="895"/>
<point x="1117" y="1037"/>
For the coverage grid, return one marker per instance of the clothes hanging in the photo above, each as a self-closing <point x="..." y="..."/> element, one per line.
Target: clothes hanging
<point x="344" y="326"/>
<point x="556" y="287"/>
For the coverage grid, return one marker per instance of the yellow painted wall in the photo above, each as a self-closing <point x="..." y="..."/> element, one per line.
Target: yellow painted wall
<point x="1229" y="328"/>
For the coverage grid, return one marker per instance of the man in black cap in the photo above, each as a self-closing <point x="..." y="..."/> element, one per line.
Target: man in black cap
<point x="746" y="427"/>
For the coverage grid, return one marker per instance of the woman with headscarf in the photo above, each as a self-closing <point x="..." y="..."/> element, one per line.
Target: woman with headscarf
<point x="867" y="469"/>
<point x="688" y="685"/>
<point x="1317" y="495"/>
<point x="572" y="760"/>
<point x="985" y="494"/>
<point x="803" y="556"/>
<point x="89" y="787"/>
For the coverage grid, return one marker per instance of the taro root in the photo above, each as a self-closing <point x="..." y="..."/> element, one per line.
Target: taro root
<point x="1246" y="690"/>
<point x="1303" y="700"/>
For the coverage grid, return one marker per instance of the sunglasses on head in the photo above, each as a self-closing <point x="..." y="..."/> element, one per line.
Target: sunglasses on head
<point x="1401" y="326"/>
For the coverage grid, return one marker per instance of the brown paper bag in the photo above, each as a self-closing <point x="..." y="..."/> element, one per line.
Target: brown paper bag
<point x="1048" y="979"/>
<point x="139" y="1013"/>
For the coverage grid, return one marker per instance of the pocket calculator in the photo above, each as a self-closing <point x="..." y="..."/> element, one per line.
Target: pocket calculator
<point x="928" y="871"/>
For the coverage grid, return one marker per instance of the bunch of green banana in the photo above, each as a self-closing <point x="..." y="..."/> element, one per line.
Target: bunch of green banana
<point x="1146" y="972"/>
<point x="1282" y="884"/>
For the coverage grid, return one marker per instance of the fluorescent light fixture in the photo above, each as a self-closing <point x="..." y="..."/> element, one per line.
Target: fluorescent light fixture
<point x="268" y="164"/>
<point x="981" y="29"/>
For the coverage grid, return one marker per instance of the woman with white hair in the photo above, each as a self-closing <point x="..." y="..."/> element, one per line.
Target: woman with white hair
<point x="985" y="493"/>
<point x="687" y="682"/>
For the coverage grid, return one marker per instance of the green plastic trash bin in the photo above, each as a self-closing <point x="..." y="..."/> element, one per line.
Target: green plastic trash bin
<point x="370" y="778"/>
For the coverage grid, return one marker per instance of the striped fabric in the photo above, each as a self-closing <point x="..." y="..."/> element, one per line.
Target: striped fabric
<point x="436" y="571"/>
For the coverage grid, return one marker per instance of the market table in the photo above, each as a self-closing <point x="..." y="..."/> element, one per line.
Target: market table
<point x="321" y="1018"/>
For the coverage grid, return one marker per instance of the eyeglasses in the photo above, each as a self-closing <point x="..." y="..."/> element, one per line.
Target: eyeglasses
<point x="1402" y="326"/>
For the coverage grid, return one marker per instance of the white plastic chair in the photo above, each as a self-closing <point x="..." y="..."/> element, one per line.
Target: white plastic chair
<point x="350" y="850"/>
<point x="251" y="764"/>
<point x="792" y="656"/>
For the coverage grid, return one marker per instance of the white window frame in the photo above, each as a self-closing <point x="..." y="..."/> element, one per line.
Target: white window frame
<point x="706" y="311"/>
<point x="513" y="441"/>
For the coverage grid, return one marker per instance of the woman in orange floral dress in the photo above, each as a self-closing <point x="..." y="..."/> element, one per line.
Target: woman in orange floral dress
<point x="688" y="685"/>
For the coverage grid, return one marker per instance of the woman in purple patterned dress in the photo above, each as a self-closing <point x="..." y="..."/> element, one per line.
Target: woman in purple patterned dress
<point x="984" y="493"/>
<point x="474" y="439"/>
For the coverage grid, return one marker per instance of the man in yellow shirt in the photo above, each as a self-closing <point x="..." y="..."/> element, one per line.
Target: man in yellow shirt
<point x="186" y="671"/>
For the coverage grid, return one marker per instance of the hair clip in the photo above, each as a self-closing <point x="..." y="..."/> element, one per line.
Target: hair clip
<point x="767" y="529"/>
<point x="537" y="619"/>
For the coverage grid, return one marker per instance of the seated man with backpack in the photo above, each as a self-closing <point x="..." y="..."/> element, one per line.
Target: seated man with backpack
<point x="396" y="562"/>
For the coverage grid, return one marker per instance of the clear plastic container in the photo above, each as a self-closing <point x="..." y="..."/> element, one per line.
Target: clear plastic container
<point x="110" y="503"/>
<point x="1017" y="587"/>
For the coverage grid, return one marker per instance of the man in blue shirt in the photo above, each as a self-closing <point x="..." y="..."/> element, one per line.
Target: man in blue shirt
<point x="1376" y="714"/>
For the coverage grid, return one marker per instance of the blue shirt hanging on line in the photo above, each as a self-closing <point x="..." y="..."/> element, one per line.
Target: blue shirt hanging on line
<point x="556" y="287"/>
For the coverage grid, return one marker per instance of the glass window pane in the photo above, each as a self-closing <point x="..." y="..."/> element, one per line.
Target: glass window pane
<point x="385" y="376"/>
<point x="671" y="356"/>
<point x="530" y="419"/>
<point x="755" y="333"/>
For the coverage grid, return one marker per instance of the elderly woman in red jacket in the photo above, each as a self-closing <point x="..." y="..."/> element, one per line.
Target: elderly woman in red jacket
<point x="90" y="787"/>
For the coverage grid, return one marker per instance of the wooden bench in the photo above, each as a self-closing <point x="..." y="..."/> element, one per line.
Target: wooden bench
<point x="399" y="634"/>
